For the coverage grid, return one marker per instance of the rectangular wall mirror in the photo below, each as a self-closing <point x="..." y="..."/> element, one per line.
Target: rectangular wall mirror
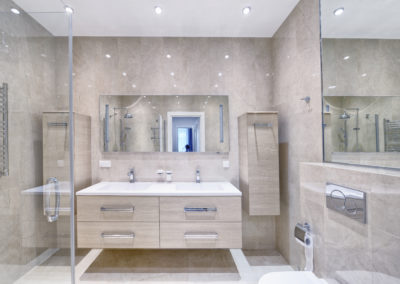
<point x="188" y="123"/>
<point x="361" y="82"/>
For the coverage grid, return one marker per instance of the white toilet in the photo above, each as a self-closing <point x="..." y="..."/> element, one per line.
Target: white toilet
<point x="291" y="277"/>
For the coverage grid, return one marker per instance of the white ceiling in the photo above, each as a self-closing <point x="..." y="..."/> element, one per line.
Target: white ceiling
<point x="361" y="19"/>
<point x="180" y="18"/>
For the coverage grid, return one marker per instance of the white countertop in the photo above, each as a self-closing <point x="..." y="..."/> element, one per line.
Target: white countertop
<point x="161" y="189"/>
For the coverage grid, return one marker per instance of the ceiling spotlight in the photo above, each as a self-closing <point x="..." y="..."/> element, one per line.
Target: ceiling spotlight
<point x="169" y="56"/>
<point x="174" y="85"/>
<point x="338" y="11"/>
<point x="226" y="56"/>
<point x="68" y="10"/>
<point x="364" y="75"/>
<point x="216" y="86"/>
<point x="246" y="10"/>
<point x="124" y="74"/>
<point x="15" y="11"/>
<point x="157" y="10"/>
<point x="107" y="55"/>
<point x="172" y="74"/>
<point x="134" y="86"/>
<point x="346" y="57"/>
<point x="220" y="74"/>
<point x="332" y="87"/>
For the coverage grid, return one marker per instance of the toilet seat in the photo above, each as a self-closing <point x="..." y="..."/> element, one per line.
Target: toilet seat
<point x="291" y="277"/>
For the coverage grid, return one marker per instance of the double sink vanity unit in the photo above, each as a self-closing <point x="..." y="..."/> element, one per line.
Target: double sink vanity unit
<point x="159" y="215"/>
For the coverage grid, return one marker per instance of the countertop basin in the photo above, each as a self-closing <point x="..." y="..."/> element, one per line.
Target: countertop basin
<point x="161" y="189"/>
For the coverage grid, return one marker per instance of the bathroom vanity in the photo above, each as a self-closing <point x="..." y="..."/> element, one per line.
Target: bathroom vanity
<point x="159" y="215"/>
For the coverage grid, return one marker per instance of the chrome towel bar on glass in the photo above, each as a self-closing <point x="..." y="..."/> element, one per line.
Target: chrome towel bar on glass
<point x="117" y="209"/>
<point x="203" y="236"/>
<point x="200" y="209"/>
<point x="118" y="235"/>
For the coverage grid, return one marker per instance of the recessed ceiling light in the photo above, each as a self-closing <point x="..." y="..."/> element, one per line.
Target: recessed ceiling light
<point x="338" y="11"/>
<point x="169" y="56"/>
<point x="246" y="10"/>
<point x="332" y="87"/>
<point x="68" y="10"/>
<point x="134" y="86"/>
<point x="108" y="55"/>
<point x="124" y="74"/>
<point x="226" y="56"/>
<point x="172" y="74"/>
<point x="346" y="57"/>
<point x="364" y="75"/>
<point x="220" y="74"/>
<point x="15" y="11"/>
<point x="216" y="86"/>
<point x="174" y="85"/>
<point x="157" y="10"/>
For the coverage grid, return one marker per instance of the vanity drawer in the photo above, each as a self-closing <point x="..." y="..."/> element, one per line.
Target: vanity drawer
<point x="117" y="208"/>
<point x="201" y="235"/>
<point x="178" y="209"/>
<point x="118" y="235"/>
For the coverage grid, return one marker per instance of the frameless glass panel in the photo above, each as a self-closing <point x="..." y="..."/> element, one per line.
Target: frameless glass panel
<point x="361" y="67"/>
<point x="35" y="209"/>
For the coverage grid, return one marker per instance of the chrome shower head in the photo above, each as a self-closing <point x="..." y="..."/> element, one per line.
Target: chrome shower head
<point x="344" y="115"/>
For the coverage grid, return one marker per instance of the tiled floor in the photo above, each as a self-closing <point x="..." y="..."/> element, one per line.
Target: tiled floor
<point x="160" y="266"/>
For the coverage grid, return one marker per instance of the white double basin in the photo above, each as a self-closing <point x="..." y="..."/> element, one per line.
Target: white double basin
<point x="162" y="189"/>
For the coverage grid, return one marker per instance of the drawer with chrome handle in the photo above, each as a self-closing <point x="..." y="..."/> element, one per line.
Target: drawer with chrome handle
<point x="201" y="235"/>
<point x="200" y="208"/>
<point x="118" y="234"/>
<point x="118" y="208"/>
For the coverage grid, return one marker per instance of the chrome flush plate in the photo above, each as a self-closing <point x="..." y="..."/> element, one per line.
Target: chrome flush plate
<point x="347" y="201"/>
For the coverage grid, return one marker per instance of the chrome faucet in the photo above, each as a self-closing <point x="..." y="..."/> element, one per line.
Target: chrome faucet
<point x="131" y="175"/>
<point x="197" y="176"/>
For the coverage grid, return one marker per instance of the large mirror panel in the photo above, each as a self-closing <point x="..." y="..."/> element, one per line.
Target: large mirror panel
<point x="165" y="123"/>
<point x="361" y="82"/>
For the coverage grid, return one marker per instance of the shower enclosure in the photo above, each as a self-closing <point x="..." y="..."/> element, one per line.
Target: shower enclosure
<point x="36" y="203"/>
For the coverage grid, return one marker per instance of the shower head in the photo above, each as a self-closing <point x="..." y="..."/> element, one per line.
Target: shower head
<point x="344" y="115"/>
<point x="128" y="115"/>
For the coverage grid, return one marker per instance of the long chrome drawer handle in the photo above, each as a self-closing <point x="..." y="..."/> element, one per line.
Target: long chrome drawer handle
<point x="117" y="236"/>
<point x="116" y="209"/>
<point x="193" y="235"/>
<point x="200" y="209"/>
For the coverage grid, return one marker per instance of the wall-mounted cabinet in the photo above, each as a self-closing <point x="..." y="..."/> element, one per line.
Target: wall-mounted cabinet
<point x="259" y="163"/>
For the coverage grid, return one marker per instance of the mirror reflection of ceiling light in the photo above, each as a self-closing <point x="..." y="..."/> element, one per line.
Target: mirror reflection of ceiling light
<point x="157" y="10"/>
<point x="246" y="10"/>
<point x="346" y="57"/>
<point x="15" y="11"/>
<point x="338" y="11"/>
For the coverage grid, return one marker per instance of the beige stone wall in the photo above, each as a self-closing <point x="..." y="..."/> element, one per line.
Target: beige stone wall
<point x="246" y="79"/>
<point x="296" y="57"/>
<point x="344" y="249"/>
